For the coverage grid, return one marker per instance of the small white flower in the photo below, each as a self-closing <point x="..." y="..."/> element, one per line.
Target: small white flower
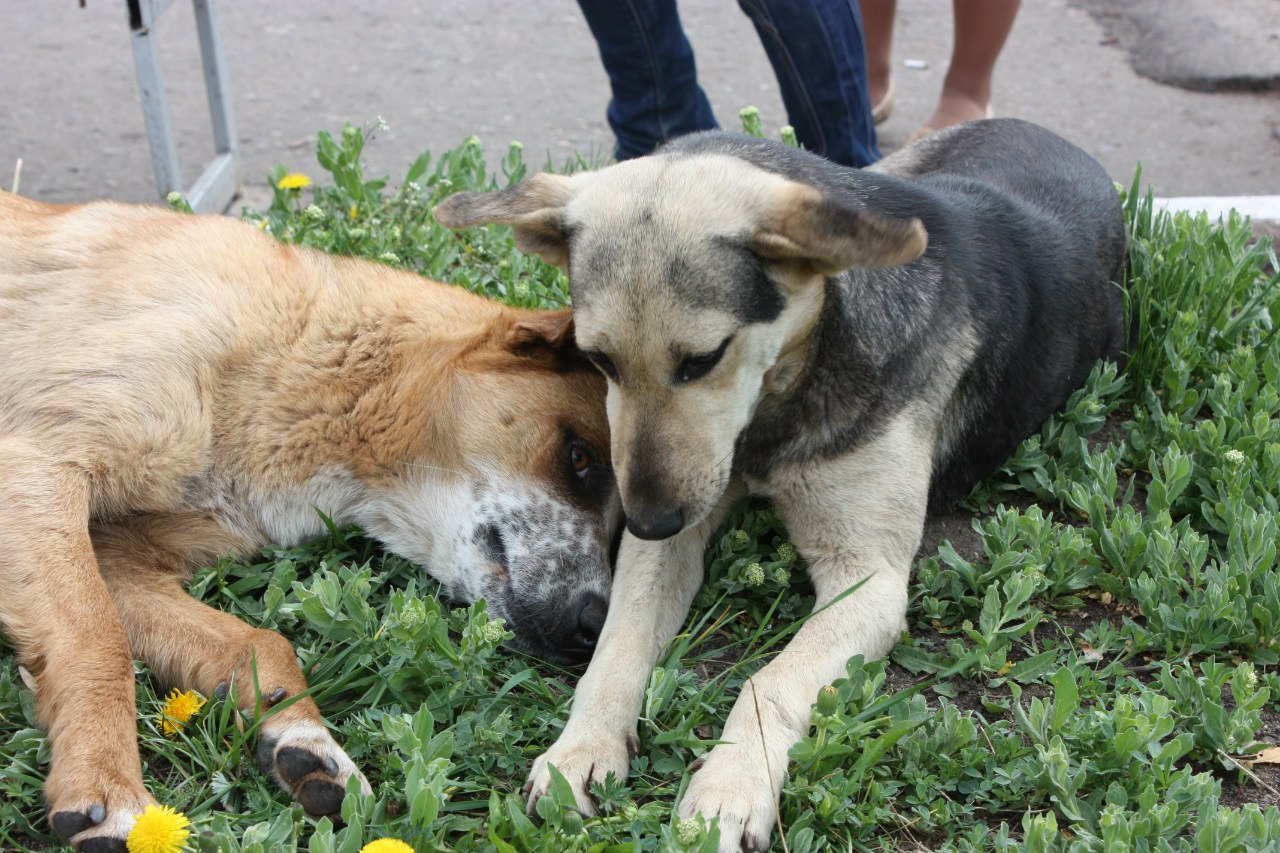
<point x="493" y="632"/>
<point x="389" y="257"/>
<point x="754" y="574"/>
<point x="173" y="197"/>
<point x="1233" y="457"/>
<point x="688" y="831"/>
<point x="313" y="212"/>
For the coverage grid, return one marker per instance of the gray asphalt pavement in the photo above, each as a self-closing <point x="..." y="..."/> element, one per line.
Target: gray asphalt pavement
<point x="441" y="70"/>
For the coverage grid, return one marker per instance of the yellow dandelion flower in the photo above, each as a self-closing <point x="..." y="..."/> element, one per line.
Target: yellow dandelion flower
<point x="178" y="710"/>
<point x="386" y="845"/>
<point x="294" y="181"/>
<point x="159" y="829"/>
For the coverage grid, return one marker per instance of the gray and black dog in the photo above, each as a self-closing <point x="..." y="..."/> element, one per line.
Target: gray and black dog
<point x="859" y="346"/>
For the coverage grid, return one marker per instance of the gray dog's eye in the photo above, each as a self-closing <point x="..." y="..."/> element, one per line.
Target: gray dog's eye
<point x="697" y="366"/>
<point x="601" y="361"/>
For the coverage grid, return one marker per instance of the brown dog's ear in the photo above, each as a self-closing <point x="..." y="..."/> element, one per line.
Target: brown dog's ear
<point x="546" y="336"/>
<point x="532" y="208"/>
<point x="801" y="224"/>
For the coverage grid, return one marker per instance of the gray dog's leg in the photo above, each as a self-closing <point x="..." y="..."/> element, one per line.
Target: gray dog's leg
<point x="855" y="519"/>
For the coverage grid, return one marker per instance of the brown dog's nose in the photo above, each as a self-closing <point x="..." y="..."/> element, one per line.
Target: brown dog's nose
<point x="658" y="524"/>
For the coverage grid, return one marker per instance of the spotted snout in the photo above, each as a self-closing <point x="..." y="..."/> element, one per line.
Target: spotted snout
<point x="548" y="575"/>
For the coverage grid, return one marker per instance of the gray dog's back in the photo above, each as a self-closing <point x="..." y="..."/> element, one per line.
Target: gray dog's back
<point x="990" y="330"/>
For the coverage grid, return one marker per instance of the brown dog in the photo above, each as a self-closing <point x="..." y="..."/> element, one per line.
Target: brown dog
<point x="175" y="388"/>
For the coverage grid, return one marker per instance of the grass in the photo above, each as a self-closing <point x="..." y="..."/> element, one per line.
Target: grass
<point x="1093" y="650"/>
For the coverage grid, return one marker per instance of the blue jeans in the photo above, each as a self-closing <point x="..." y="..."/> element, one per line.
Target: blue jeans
<point x="815" y="47"/>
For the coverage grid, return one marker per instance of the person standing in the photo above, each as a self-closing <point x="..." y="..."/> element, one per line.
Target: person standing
<point x="981" y="28"/>
<point x="815" y="47"/>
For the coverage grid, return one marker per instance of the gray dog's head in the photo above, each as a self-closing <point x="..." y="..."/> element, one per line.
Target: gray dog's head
<point x="696" y="278"/>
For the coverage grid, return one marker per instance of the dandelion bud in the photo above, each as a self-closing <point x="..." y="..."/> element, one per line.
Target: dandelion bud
<point x="828" y="700"/>
<point x="572" y="823"/>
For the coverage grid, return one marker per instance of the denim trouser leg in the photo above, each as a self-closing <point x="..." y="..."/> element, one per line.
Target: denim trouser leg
<point x="818" y="55"/>
<point x="651" y="71"/>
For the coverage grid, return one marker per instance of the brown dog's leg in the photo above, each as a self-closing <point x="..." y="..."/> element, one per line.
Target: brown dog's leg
<point x="56" y="609"/>
<point x="192" y="646"/>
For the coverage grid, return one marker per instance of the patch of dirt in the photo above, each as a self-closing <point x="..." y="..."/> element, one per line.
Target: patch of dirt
<point x="955" y="527"/>
<point x="1268" y="229"/>
<point x="1263" y="787"/>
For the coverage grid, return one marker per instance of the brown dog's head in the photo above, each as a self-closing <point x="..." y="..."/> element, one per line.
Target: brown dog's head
<point x="488" y="464"/>
<point x="696" y="277"/>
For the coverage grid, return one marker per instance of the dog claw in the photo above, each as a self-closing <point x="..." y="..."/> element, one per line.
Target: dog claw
<point x="220" y="692"/>
<point x="97" y="812"/>
<point x="276" y="696"/>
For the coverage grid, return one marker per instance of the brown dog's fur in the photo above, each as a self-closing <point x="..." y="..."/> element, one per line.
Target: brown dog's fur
<point x="175" y="388"/>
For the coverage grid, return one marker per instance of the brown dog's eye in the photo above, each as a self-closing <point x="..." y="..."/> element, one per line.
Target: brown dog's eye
<point x="580" y="459"/>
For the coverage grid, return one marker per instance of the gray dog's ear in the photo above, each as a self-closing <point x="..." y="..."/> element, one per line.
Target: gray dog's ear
<point x="801" y="224"/>
<point x="532" y="208"/>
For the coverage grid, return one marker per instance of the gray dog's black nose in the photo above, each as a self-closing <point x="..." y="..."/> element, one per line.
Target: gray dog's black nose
<point x="655" y="525"/>
<point x="592" y="609"/>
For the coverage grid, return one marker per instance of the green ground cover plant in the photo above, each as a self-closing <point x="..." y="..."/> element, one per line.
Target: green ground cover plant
<point x="1095" y="635"/>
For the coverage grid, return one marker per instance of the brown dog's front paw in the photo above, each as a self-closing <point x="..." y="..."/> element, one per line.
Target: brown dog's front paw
<point x="70" y="823"/>
<point x="97" y="827"/>
<point x="310" y="765"/>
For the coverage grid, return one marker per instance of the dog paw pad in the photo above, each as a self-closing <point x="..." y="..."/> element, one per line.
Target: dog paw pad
<point x="310" y="765"/>
<point x="71" y="823"/>
<point x="103" y="844"/>
<point x="320" y="798"/>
